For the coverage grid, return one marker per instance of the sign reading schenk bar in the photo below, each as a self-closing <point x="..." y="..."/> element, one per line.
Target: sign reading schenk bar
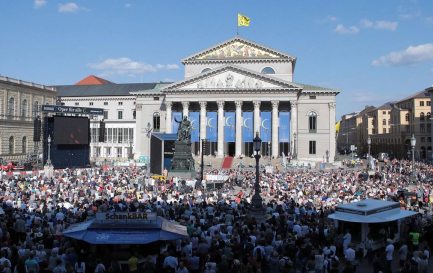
<point x="72" y="110"/>
<point x="125" y="216"/>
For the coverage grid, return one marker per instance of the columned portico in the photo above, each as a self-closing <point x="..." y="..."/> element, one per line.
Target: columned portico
<point x="238" y="144"/>
<point x="185" y="108"/>
<point x="256" y="116"/>
<point x="168" y="125"/>
<point x="294" y="126"/>
<point x="202" y="122"/>
<point x="221" y="123"/>
<point x="275" y="128"/>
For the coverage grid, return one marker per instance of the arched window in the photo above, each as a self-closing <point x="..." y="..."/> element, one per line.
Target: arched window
<point x="268" y="70"/>
<point x="422" y="116"/>
<point x="206" y="70"/>
<point x="24" y="145"/>
<point x="35" y="108"/>
<point x="11" y="107"/>
<point x="428" y="116"/>
<point x="384" y="122"/>
<point x="156" y="122"/>
<point x="312" y="122"/>
<point x="24" y="108"/>
<point x="11" y="145"/>
<point x="406" y="117"/>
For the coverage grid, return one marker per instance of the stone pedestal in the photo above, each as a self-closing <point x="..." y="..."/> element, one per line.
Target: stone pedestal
<point x="183" y="163"/>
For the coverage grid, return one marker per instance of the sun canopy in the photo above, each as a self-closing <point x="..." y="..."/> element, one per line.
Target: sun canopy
<point x="126" y="233"/>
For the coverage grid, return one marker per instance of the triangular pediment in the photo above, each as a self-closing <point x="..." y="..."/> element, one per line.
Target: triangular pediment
<point x="238" y="49"/>
<point x="231" y="78"/>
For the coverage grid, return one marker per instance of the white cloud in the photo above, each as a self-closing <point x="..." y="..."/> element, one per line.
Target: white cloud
<point x="68" y="7"/>
<point x="127" y="5"/>
<point x="340" y="28"/>
<point x="39" y="3"/>
<point x="331" y="18"/>
<point x="126" y="66"/>
<point x="411" y="55"/>
<point x="385" y="25"/>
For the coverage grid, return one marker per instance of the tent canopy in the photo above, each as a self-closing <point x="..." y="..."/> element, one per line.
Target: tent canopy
<point x="124" y="233"/>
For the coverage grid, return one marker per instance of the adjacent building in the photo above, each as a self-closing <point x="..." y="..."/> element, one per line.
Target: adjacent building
<point x="20" y="103"/>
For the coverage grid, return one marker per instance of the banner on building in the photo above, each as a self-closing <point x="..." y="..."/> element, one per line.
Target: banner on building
<point x="266" y="126"/>
<point x="229" y="127"/>
<point x="247" y="127"/>
<point x="175" y="124"/>
<point x="194" y="117"/>
<point x="284" y="130"/>
<point x="212" y="126"/>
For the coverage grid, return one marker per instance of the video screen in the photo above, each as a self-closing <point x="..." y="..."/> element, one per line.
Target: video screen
<point x="71" y="130"/>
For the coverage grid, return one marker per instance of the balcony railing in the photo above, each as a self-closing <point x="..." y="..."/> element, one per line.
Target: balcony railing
<point x="16" y="118"/>
<point x="32" y="84"/>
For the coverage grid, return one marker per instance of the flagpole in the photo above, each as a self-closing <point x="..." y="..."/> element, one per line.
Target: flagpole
<point x="237" y="25"/>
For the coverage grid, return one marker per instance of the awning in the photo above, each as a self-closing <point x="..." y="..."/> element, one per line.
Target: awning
<point x="382" y="217"/>
<point x="115" y="234"/>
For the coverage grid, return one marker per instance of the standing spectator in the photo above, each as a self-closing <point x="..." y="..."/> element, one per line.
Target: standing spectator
<point x="389" y="252"/>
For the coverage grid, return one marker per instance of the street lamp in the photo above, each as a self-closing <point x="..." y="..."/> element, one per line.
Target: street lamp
<point x="368" y="156"/>
<point x="148" y="130"/>
<point x="257" y="200"/>
<point x="412" y="144"/>
<point x="49" y="151"/>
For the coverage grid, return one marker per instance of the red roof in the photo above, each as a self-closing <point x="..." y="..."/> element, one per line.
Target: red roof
<point x="92" y="80"/>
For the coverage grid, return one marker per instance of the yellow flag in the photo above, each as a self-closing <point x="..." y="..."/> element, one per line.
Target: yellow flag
<point x="243" y="21"/>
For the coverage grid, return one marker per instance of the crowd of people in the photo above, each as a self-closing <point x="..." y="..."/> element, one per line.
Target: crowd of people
<point x="291" y="234"/>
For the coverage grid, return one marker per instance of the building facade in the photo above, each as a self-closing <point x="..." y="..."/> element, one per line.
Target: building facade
<point x="234" y="90"/>
<point x="20" y="103"/>
<point x="391" y="126"/>
<point x="119" y="114"/>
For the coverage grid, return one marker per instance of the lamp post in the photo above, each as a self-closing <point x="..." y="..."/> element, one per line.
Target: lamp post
<point x="412" y="144"/>
<point x="257" y="200"/>
<point x="368" y="155"/>
<point x="294" y="146"/>
<point x="49" y="151"/>
<point x="148" y="130"/>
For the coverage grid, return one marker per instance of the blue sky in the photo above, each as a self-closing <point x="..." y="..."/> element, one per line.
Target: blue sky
<point x="373" y="51"/>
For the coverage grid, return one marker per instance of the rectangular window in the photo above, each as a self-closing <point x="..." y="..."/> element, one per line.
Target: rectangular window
<point x="119" y="151"/>
<point x="120" y="135"/>
<point x="77" y="103"/>
<point x="110" y="135"/>
<point x="421" y="103"/>
<point x="384" y="130"/>
<point x="422" y="128"/>
<point x="428" y="103"/>
<point x="312" y="97"/>
<point x="312" y="148"/>
<point x="120" y="102"/>
<point x="134" y="114"/>
<point x="105" y="102"/>
<point x="155" y="98"/>
<point x="373" y="131"/>
<point x="429" y="139"/>
<point x="422" y="139"/>
<point x="131" y="134"/>
<point x="114" y="135"/>
<point x="91" y="103"/>
<point x="105" y="114"/>
<point x="119" y="114"/>
<point x="125" y="135"/>
<point x="106" y="135"/>
<point x="108" y="152"/>
<point x="384" y="112"/>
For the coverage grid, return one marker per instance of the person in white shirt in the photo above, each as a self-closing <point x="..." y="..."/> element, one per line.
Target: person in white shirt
<point x="389" y="251"/>
<point x="347" y="239"/>
<point x="402" y="254"/>
<point x="350" y="255"/>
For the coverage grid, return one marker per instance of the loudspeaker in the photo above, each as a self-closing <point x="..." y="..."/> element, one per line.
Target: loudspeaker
<point x="101" y="131"/>
<point x="37" y="129"/>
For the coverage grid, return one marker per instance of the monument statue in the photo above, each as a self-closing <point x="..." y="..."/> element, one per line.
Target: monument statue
<point x="183" y="163"/>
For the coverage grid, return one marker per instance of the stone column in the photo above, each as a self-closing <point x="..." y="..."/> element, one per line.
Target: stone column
<point x="202" y="122"/>
<point x="294" y="127"/>
<point x="256" y="117"/>
<point x="238" y="143"/>
<point x="275" y="126"/>
<point x="332" y="136"/>
<point x="185" y="110"/>
<point x="168" y="126"/>
<point x="221" y="123"/>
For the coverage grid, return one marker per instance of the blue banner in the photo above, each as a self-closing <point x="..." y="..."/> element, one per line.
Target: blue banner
<point x="284" y="130"/>
<point x="247" y="126"/>
<point x="229" y="127"/>
<point x="266" y="126"/>
<point x="194" y="117"/>
<point x="174" y="125"/>
<point x="212" y="126"/>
